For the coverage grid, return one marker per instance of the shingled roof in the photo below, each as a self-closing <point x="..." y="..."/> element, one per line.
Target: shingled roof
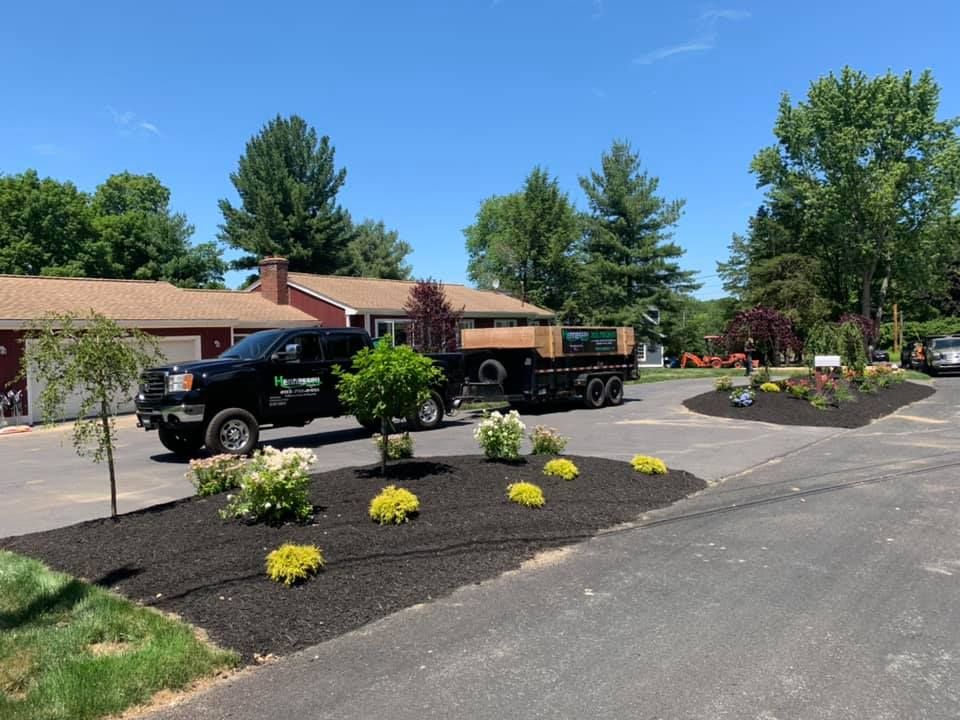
<point x="373" y="295"/>
<point x="144" y="302"/>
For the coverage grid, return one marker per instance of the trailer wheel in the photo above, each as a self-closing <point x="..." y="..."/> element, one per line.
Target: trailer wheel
<point x="738" y="364"/>
<point x="594" y="394"/>
<point x="614" y="391"/>
<point x="492" y="371"/>
<point x="233" y="431"/>
<point x="716" y="363"/>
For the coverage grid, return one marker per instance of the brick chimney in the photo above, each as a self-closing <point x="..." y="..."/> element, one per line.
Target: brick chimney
<point x="273" y="280"/>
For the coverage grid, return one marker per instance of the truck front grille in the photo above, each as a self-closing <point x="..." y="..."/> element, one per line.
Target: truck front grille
<point x="153" y="385"/>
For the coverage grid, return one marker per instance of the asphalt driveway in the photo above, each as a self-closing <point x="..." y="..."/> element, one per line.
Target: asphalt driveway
<point x="45" y="485"/>
<point x="819" y="585"/>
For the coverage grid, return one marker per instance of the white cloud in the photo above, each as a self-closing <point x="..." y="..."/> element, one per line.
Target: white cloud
<point x="729" y="14"/>
<point x="705" y="39"/>
<point x="127" y="123"/>
<point x="45" y="149"/>
<point x="665" y="52"/>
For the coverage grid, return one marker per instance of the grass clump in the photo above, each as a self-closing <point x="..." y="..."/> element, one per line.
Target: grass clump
<point x="648" y="465"/>
<point x="73" y="651"/>
<point x="526" y="494"/>
<point x="561" y="468"/>
<point x="291" y="563"/>
<point x="393" y="505"/>
<point x="216" y="474"/>
<point x="547" y="441"/>
<point x="399" y="447"/>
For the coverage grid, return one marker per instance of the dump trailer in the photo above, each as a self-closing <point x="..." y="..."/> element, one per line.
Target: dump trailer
<point x="538" y="364"/>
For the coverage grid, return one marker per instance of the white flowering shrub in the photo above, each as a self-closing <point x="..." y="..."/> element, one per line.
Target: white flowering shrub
<point x="500" y="435"/>
<point x="274" y="487"/>
<point x="216" y="474"/>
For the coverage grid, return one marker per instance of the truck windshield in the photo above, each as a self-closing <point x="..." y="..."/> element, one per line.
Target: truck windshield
<point x="253" y="346"/>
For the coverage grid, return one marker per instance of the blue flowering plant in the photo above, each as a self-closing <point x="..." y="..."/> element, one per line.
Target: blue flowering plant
<point x="742" y="397"/>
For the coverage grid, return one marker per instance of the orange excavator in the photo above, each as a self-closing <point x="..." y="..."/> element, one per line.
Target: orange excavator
<point x="736" y="360"/>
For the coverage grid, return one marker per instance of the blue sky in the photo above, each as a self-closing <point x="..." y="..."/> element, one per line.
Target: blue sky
<point x="434" y="106"/>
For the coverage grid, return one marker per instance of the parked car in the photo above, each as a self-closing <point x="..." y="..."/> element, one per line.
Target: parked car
<point x="941" y="354"/>
<point x="880" y="356"/>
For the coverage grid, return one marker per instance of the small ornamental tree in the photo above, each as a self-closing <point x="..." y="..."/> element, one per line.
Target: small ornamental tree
<point x="771" y="330"/>
<point x="386" y="381"/>
<point x="96" y="360"/>
<point x="435" y="325"/>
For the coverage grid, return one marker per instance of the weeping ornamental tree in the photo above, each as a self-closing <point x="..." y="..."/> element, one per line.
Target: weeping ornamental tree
<point x="771" y="330"/>
<point x="96" y="360"/>
<point x="435" y="325"/>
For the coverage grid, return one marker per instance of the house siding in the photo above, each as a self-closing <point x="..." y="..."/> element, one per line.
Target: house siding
<point x="329" y="315"/>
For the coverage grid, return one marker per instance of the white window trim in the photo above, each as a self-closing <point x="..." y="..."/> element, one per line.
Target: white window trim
<point x="642" y="352"/>
<point x="468" y="324"/>
<point x="505" y="322"/>
<point x="393" y="327"/>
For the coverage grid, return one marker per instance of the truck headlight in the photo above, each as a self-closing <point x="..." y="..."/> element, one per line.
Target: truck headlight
<point x="180" y="383"/>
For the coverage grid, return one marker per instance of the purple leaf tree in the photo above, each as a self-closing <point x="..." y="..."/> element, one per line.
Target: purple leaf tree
<point x="435" y="325"/>
<point x="772" y="332"/>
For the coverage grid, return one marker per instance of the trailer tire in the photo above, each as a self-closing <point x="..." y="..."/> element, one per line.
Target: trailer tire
<point x="492" y="371"/>
<point x="614" y="391"/>
<point x="233" y="431"/>
<point x="594" y="394"/>
<point x="716" y="363"/>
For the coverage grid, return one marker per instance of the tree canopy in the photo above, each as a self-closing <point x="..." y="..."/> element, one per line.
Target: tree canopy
<point x="864" y="179"/>
<point x="524" y="243"/>
<point x="435" y="323"/>
<point x="630" y="259"/>
<point x="287" y="182"/>
<point x="376" y="252"/>
<point x="124" y="230"/>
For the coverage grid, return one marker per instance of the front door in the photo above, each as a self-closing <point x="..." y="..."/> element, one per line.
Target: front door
<point x="297" y="378"/>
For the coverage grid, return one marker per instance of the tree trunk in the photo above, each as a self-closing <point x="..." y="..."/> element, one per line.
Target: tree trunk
<point x="383" y="448"/>
<point x="884" y="289"/>
<point x="108" y="445"/>
<point x="866" y="290"/>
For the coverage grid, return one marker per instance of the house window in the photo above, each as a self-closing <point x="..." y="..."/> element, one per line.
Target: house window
<point x="507" y="322"/>
<point x="468" y="324"/>
<point x="642" y="352"/>
<point x="397" y="329"/>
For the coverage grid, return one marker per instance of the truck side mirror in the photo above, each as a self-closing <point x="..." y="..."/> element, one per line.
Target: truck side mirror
<point x="290" y="353"/>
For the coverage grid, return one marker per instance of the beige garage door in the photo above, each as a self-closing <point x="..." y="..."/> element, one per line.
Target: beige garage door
<point x="174" y="350"/>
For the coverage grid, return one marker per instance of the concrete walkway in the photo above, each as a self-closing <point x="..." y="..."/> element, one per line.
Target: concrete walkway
<point x="819" y="585"/>
<point x="45" y="485"/>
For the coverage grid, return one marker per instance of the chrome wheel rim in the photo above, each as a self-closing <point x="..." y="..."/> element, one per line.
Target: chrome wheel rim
<point x="429" y="412"/>
<point x="234" y="435"/>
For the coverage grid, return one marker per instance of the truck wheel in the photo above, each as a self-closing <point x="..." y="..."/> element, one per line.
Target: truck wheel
<point x="614" y="391"/>
<point x="492" y="371"/>
<point x="430" y="414"/>
<point x="594" y="394"/>
<point x="233" y="431"/>
<point x="180" y="442"/>
<point x="716" y="363"/>
<point x="371" y="425"/>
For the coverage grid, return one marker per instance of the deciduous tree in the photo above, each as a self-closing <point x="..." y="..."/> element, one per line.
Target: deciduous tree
<point x="435" y="324"/>
<point x="772" y="332"/>
<point x="97" y="360"/>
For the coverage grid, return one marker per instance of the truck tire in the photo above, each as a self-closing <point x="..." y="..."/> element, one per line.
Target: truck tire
<point x="180" y="442"/>
<point x="716" y="363"/>
<point x="492" y="371"/>
<point x="233" y="431"/>
<point x="594" y="394"/>
<point x="614" y="391"/>
<point x="429" y="415"/>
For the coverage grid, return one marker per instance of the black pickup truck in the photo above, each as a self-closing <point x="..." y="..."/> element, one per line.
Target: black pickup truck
<point x="273" y="378"/>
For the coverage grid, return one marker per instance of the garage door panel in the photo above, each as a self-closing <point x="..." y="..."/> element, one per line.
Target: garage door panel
<point x="173" y="350"/>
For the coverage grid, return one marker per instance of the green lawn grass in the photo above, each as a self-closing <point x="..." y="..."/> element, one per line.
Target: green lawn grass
<point x="72" y="650"/>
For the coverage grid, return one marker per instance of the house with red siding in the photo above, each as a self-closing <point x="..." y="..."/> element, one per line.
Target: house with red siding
<point x="377" y="305"/>
<point x="188" y="324"/>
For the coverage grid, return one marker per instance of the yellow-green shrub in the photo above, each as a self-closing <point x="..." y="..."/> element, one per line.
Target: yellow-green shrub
<point x="561" y="468"/>
<point x="770" y="387"/>
<point x="648" y="465"/>
<point x="393" y="505"/>
<point x="291" y="563"/>
<point x="524" y="493"/>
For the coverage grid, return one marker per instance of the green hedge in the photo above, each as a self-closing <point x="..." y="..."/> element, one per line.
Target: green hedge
<point x="916" y="330"/>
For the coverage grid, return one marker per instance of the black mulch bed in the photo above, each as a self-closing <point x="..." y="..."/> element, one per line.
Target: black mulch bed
<point x="782" y="409"/>
<point x="182" y="558"/>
